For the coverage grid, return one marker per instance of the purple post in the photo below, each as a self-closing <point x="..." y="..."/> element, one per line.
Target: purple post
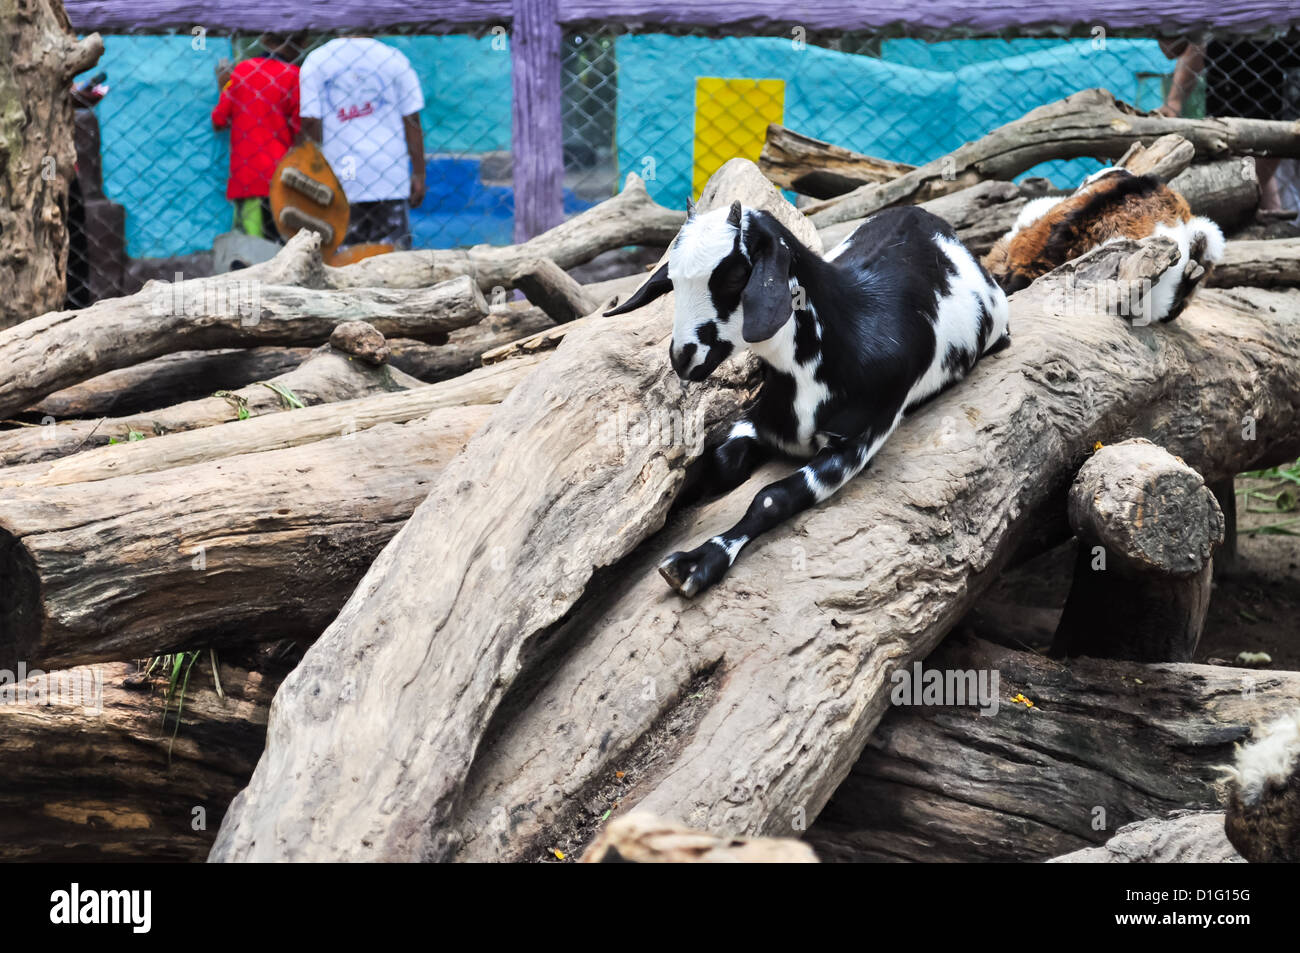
<point x="537" y="128"/>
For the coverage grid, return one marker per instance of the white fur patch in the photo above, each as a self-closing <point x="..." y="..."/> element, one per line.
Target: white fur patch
<point x="1033" y="211"/>
<point x="1270" y="759"/>
<point x="957" y="321"/>
<point x="809" y="394"/>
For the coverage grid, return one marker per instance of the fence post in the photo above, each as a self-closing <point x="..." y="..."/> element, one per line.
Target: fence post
<point x="537" y="128"/>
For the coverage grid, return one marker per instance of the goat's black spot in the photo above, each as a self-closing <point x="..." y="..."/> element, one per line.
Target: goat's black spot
<point x="1065" y="234"/>
<point x="805" y="337"/>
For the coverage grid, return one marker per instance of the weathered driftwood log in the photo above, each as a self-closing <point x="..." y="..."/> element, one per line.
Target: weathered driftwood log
<point x="1267" y="263"/>
<point x="641" y="838"/>
<point x="93" y="772"/>
<point x="549" y="338"/>
<point x="547" y="285"/>
<point x="168" y="380"/>
<point x="606" y="451"/>
<point x="773" y="681"/>
<point x="56" y="350"/>
<point x="329" y="375"/>
<point x="1165" y="158"/>
<point x="1105" y="743"/>
<point x="262" y="545"/>
<point x="1147" y="527"/>
<point x="1226" y="191"/>
<point x="465" y="347"/>
<point x="1089" y="123"/>
<point x="41" y="55"/>
<point x="1263" y="817"/>
<point x="481" y="387"/>
<point x="1185" y="837"/>
<point x="629" y="218"/>
<point x="809" y="166"/>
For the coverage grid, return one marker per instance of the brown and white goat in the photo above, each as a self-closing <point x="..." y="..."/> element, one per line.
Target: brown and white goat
<point x="1111" y="205"/>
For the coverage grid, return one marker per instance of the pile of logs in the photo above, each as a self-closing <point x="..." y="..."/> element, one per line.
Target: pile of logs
<point x="451" y="477"/>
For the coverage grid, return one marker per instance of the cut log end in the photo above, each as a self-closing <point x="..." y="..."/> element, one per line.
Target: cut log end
<point x="1148" y="526"/>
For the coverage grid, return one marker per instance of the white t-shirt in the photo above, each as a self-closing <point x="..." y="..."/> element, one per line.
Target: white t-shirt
<point x="361" y="89"/>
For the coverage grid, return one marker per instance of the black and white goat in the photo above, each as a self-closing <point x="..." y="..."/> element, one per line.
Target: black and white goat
<point x="849" y="343"/>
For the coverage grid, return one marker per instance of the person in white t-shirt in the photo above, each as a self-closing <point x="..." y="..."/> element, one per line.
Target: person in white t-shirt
<point x="361" y="100"/>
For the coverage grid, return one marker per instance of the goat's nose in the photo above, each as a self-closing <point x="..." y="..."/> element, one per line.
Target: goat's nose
<point x="681" y="358"/>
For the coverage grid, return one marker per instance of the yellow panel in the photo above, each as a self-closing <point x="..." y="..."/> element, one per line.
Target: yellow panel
<point x="731" y="119"/>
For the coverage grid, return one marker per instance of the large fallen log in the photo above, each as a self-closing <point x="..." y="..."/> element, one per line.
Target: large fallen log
<point x="168" y="380"/>
<point x="1090" y="123"/>
<point x="56" y="350"/>
<point x="589" y="491"/>
<point x="327" y="376"/>
<point x="629" y="218"/>
<point x="256" y="546"/>
<point x="809" y="166"/>
<point x="1105" y="744"/>
<point x="94" y="772"/>
<point x="481" y="387"/>
<point x="773" y="681"/>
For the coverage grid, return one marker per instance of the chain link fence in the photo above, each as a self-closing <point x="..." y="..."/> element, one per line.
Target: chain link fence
<point x="179" y="132"/>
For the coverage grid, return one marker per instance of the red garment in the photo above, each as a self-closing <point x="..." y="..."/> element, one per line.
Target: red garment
<point x="260" y="104"/>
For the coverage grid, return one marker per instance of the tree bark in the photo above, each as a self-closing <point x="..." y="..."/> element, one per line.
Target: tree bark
<point x="328" y="376"/>
<point x="629" y="218"/>
<point x="39" y="56"/>
<point x="1147" y="527"/>
<point x="54" y="351"/>
<point x="809" y="166"/>
<point x="168" y="380"/>
<point x="774" y="680"/>
<point x="1089" y="123"/>
<point x="483" y="387"/>
<point x="1106" y="743"/>
<point x="111" y="781"/>
<point x="261" y="545"/>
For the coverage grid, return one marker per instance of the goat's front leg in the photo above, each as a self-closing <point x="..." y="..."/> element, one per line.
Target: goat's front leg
<point x="726" y="465"/>
<point x="833" y="466"/>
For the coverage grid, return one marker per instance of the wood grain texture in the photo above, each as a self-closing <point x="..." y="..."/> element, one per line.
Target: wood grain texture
<point x="260" y="545"/>
<point x="555" y="488"/>
<point x="326" y="377"/>
<point x="1105" y="744"/>
<point x="109" y="782"/>
<point x="273" y="431"/>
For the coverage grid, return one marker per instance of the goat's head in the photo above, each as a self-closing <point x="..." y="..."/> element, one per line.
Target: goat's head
<point x="730" y="271"/>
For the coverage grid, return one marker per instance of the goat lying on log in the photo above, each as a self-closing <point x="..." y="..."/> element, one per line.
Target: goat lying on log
<point x="1110" y="204"/>
<point x="850" y="342"/>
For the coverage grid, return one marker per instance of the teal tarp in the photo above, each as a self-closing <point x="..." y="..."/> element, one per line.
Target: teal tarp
<point x="914" y="102"/>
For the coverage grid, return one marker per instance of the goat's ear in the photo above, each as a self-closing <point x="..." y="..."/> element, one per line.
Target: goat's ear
<point x="766" y="299"/>
<point x="656" y="286"/>
<point x="690" y="208"/>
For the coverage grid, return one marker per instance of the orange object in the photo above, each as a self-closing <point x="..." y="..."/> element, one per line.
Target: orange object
<point x="355" y="253"/>
<point x="299" y="182"/>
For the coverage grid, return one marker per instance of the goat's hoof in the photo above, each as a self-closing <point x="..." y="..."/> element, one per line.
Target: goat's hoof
<point x="691" y="573"/>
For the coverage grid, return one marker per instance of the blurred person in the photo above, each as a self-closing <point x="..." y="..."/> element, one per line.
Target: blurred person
<point x="1248" y="79"/>
<point x="259" y="102"/>
<point x="361" y="101"/>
